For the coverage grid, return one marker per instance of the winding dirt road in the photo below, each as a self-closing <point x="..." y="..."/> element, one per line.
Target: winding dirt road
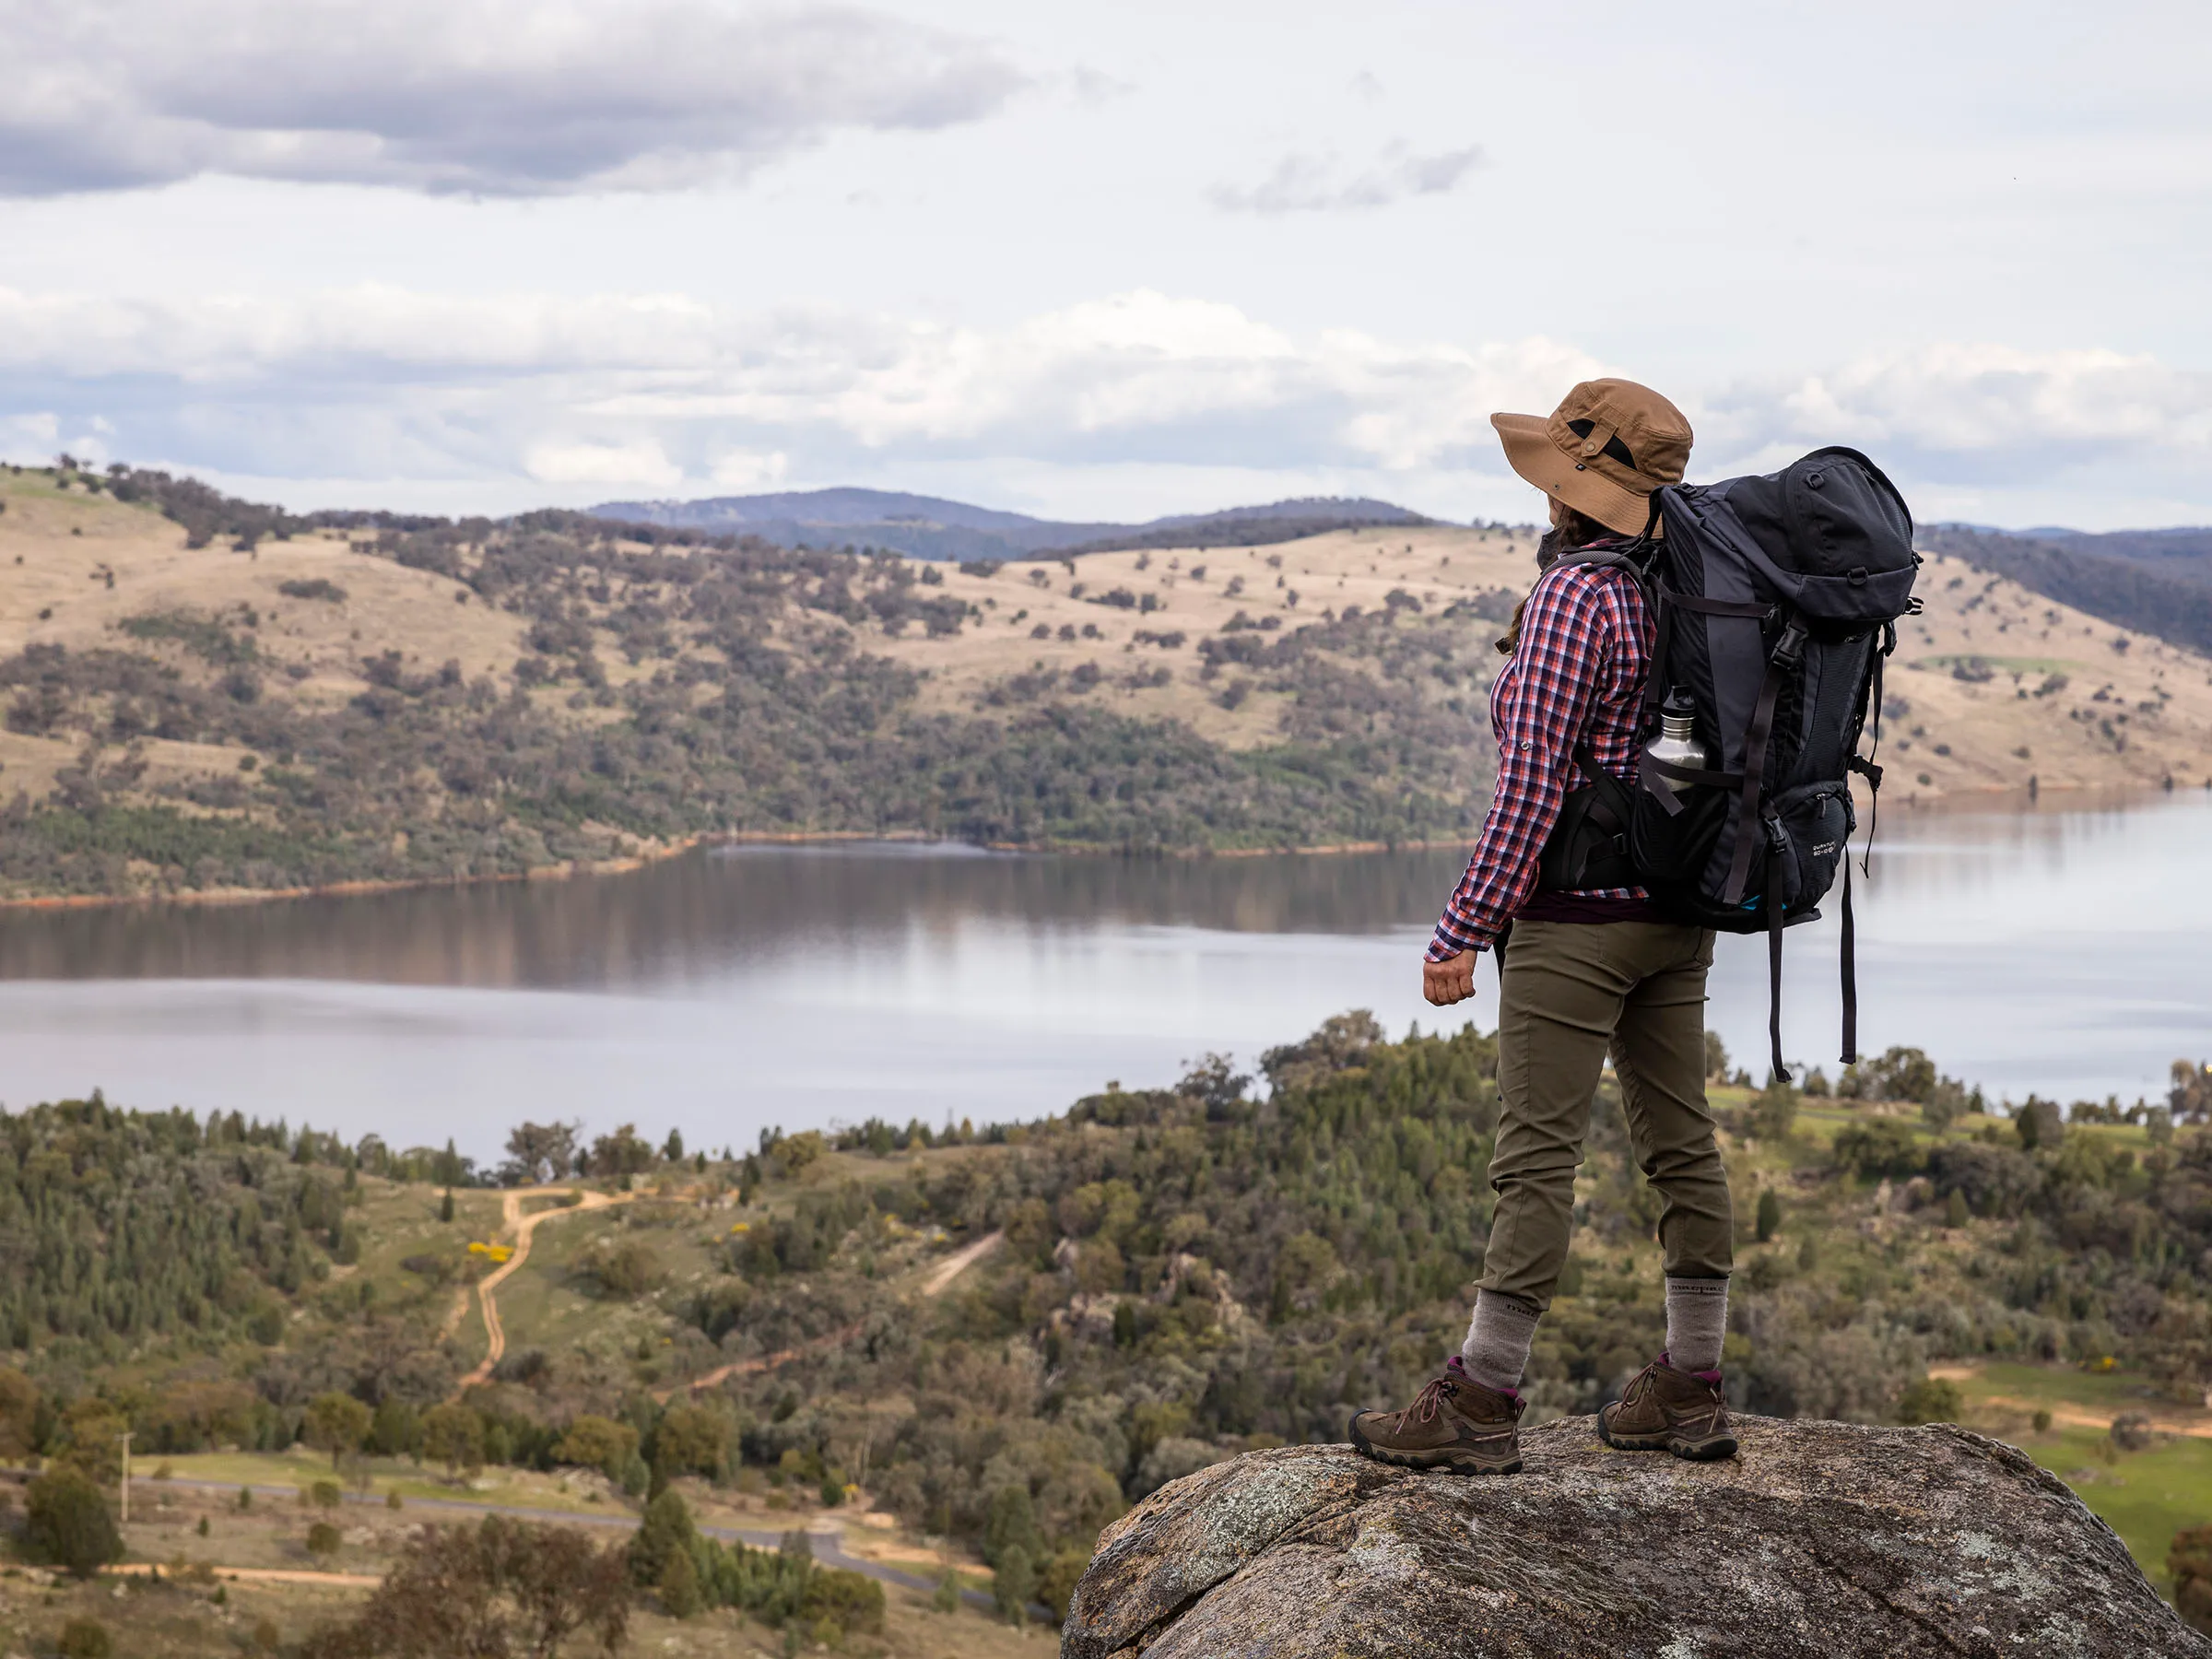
<point x="940" y="1279"/>
<point x="959" y="1262"/>
<point x="513" y="1221"/>
<point x="522" y="1227"/>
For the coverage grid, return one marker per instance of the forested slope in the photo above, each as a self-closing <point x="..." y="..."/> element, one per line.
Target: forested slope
<point x="200" y="695"/>
<point x="248" y="701"/>
<point x="1184" y="1273"/>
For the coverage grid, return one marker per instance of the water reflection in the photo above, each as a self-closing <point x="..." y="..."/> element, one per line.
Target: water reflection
<point x="2065" y="950"/>
<point x="692" y="919"/>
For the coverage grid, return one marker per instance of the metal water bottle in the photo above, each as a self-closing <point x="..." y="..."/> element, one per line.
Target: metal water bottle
<point x="1677" y="743"/>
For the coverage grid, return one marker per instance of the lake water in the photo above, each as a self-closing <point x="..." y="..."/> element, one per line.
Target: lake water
<point x="2067" y="951"/>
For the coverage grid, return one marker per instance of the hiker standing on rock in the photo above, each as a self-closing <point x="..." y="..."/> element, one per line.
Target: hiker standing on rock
<point x="1587" y="967"/>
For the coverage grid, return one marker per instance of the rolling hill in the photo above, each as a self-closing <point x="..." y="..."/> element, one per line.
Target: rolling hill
<point x="932" y="527"/>
<point x="2154" y="581"/>
<point x="231" y="699"/>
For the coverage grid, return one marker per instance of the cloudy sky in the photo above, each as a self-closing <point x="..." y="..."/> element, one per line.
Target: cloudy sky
<point x="1108" y="261"/>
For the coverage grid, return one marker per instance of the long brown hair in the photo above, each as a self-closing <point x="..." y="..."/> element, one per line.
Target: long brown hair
<point x="1570" y="531"/>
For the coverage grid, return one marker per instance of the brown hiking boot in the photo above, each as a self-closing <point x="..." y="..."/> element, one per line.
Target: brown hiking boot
<point x="1455" y="1424"/>
<point x="1664" y="1409"/>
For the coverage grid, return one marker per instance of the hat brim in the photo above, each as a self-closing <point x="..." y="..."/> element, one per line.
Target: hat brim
<point x="1530" y="452"/>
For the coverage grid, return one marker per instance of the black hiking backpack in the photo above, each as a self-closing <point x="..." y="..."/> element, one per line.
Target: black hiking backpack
<point x="1776" y="600"/>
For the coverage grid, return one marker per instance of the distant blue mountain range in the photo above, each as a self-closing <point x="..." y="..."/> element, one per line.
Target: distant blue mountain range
<point x="932" y="527"/>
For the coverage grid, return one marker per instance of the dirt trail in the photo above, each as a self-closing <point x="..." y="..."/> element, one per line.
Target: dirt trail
<point x="940" y="1277"/>
<point x="959" y="1262"/>
<point x="2069" y="1415"/>
<point x="524" y="1228"/>
<point x="251" y="1575"/>
<point x="2074" y="1417"/>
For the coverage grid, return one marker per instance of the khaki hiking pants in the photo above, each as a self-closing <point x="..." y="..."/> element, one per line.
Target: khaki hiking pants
<point x="1570" y="992"/>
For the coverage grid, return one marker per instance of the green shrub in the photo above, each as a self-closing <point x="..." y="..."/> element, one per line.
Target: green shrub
<point x="666" y="1532"/>
<point x="67" y="1524"/>
<point x="2189" y="1559"/>
<point x="1774" y="1112"/>
<point x="1057" y="1585"/>
<point x="1013" y="1582"/>
<point x="848" y="1600"/>
<point x="678" y="1585"/>
<point x="1931" y="1400"/>
<point x="1881" y="1147"/>
<point x="84" y="1639"/>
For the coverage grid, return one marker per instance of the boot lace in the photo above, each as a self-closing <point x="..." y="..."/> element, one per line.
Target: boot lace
<point x="1430" y="1402"/>
<point x="1648" y="1378"/>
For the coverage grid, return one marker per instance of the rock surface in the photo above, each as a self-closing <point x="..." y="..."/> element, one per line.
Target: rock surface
<point x="1818" y="1538"/>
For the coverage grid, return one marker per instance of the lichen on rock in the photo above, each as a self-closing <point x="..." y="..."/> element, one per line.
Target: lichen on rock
<point x="1818" y="1539"/>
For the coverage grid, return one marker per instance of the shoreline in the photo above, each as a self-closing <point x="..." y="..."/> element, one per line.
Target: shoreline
<point x="2047" y="800"/>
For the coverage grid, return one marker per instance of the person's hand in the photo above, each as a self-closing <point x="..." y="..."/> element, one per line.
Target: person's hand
<point x="1450" y="980"/>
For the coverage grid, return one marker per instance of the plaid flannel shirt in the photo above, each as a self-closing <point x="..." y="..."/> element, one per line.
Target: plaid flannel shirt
<point x="1576" y="676"/>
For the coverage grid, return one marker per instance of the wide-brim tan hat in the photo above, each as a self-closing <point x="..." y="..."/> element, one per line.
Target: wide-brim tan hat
<point x="1608" y="446"/>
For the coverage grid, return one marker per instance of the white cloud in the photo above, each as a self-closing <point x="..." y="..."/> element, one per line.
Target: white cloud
<point x="1979" y="414"/>
<point x="30" y="436"/>
<point x="637" y="461"/>
<point x="744" y="473"/>
<point x="1306" y="183"/>
<point x="667" y="394"/>
<point x="484" y="96"/>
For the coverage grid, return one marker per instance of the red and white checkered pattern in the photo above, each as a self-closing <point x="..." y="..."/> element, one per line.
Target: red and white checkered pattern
<point x="1576" y="676"/>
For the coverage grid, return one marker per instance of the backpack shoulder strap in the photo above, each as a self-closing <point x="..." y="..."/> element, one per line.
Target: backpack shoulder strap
<point x="1608" y="559"/>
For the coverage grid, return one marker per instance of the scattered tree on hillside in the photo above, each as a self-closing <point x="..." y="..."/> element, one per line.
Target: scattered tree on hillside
<point x="2190" y="1099"/>
<point x="452" y="1435"/>
<point x="337" y="1424"/>
<point x="18" y="1416"/>
<point x="66" y="1522"/>
<point x="623" y="1153"/>
<point x="540" y="1152"/>
<point x="502" y="1587"/>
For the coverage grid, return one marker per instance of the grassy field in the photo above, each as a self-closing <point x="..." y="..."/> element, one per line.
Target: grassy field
<point x="2144" y="1496"/>
<point x="186" y="1619"/>
<point x="300" y="1468"/>
<point x="197" y="1612"/>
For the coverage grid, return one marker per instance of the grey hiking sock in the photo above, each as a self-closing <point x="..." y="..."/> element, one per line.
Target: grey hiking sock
<point x="1696" y="1318"/>
<point x="1496" y="1350"/>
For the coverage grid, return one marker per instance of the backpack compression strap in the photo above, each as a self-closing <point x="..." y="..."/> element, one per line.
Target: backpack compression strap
<point x="1653" y="776"/>
<point x="1775" y="924"/>
<point x="1870" y="769"/>
<point x="1788" y="650"/>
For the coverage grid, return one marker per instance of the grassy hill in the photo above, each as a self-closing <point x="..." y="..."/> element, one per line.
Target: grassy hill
<point x="932" y="527"/>
<point x="318" y="703"/>
<point x="202" y="696"/>
<point x="936" y="1350"/>
<point x="2154" y="582"/>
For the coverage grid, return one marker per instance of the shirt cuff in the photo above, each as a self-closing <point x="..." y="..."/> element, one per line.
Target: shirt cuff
<point x="1443" y="946"/>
